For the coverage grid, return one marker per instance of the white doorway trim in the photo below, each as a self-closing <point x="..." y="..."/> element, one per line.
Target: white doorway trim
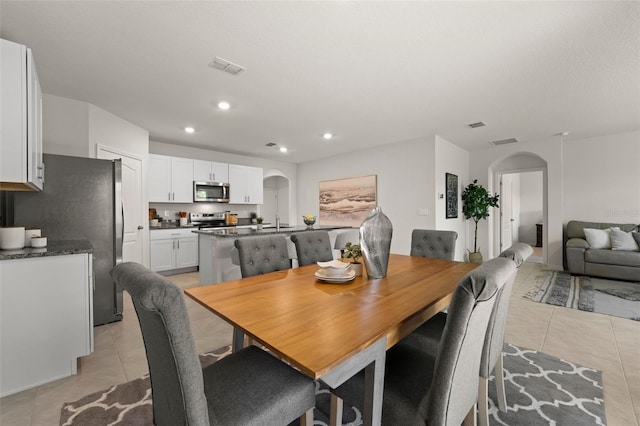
<point x="103" y="151"/>
<point x="497" y="222"/>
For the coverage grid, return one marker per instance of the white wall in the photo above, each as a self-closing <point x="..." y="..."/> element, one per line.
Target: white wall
<point x="602" y="179"/>
<point x="450" y="158"/>
<point x="589" y="179"/>
<point x="65" y="126"/>
<point x="530" y="206"/>
<point x="406" y="182"/>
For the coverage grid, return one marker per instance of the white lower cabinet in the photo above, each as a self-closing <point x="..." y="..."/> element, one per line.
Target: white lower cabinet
<point x="46" y="319"/>
<point x="173" y="249"/>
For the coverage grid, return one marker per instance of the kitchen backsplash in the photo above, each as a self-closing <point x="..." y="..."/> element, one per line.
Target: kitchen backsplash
<point x="169" y="211"/>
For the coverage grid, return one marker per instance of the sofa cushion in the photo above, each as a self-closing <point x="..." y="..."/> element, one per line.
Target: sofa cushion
<point x="623" y="258"/>
<point x="598" y="238"/>
<point x="621" y="240"/>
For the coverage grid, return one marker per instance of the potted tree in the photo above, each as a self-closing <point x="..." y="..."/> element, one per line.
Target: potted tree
<point x="476" y="201"/>
<point x="259" y="220"/>
<point x="353" y="251"/>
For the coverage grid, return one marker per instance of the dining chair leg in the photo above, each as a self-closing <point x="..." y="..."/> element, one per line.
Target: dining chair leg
<point x="483" y="401"/>
<point x="337" y="404"/>
<point x="498" y="372"/>
<point x="307" y="418"/>
<point x="470" y="419"/>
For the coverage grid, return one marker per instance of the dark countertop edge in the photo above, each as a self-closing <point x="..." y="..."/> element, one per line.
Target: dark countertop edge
<point x="248" y="232"/>
<point x="53" y="248"/>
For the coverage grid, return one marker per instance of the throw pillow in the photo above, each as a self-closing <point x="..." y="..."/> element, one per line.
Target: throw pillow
<point x="636" y="236"/>
<point x="621" y="240"/>
<point x="598" y="238"/>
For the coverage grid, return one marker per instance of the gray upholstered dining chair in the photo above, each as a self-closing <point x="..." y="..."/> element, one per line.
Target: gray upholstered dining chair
<point x="249" y="387"/>
<point x="262" y="254"/>
<point x="428" y="336"/>
<point x="440" y="387"/>
<point x="349" y="236"/>
<point x="312" y="247"/>
<point x="433" y="244"/>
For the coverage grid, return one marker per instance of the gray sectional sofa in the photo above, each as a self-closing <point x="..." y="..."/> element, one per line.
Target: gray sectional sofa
<point x="583" y="260"/>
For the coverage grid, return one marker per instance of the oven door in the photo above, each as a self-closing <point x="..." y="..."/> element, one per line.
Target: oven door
<point x="210" y="192"/>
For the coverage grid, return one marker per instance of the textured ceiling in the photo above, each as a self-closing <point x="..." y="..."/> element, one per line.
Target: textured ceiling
<point x="372" y="73"/>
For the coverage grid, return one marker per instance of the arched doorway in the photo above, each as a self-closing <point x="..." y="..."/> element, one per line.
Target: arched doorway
<point x="276" y="190"/>
<point x="521" y="181"/>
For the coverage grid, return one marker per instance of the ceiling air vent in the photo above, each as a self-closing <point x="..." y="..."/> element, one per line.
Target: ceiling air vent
<point x="270" y="144"/>
<point x="504" y="141"/>
<point x="477" y="124"/>
<point x="226" y="66"/>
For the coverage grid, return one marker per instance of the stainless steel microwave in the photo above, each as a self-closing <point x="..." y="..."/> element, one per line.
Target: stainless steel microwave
<point x="210" y="192"/>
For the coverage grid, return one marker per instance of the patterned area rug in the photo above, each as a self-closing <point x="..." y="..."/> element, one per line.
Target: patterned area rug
<point x="540" y="389"/>
<point x="591" y="294"/>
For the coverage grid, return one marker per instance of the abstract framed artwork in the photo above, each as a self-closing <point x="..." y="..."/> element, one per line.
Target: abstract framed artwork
<point x="452" y="195"/>
<point x="348" y="201"/>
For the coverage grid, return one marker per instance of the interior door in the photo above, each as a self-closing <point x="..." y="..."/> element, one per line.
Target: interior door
<point x="506" y="211"/>
<point x="134" y="211"/>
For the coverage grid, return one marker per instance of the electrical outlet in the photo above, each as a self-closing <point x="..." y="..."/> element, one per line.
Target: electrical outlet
<point x="423" y="212"/>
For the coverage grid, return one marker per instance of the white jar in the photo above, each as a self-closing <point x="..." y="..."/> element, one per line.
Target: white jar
<point x="11" y="237"/>
<point x="29" y="233"/>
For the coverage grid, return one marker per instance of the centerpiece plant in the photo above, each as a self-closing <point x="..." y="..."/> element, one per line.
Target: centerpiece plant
<point x="476" y="201"/>
<point x="353" y="251"/>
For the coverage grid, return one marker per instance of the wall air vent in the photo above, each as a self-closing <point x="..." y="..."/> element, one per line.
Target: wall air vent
<point x="270" y="144"/>
<point x="226" y="66"/>
<point x="504" y="141"/>
<point x="477" y="124"/>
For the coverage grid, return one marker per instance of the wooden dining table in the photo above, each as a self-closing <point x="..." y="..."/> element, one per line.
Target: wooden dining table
<point x="332" y="331"/>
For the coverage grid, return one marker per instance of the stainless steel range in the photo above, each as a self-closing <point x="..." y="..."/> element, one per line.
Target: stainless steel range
<point x="208" y="220"/>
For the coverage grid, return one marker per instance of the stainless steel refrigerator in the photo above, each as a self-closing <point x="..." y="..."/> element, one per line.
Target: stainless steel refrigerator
<point x="81" y="200"/>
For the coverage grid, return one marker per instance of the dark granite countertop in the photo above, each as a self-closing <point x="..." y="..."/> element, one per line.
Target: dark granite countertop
<point x="171" y="226"/>
<point x="53" y="248"/>
<point x="249" y="232"/>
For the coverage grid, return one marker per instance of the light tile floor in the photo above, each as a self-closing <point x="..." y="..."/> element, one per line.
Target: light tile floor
<point x="606" y="343"/>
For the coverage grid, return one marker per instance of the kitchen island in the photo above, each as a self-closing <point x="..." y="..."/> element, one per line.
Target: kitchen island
<point x="46" y="313"/>
<point x="214" y="248"/>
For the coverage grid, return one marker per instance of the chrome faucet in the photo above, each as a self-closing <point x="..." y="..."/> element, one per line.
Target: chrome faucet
<point x="277" y="223"/>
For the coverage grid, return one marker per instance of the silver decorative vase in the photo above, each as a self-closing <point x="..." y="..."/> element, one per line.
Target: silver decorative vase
<point x="375" y="243"/>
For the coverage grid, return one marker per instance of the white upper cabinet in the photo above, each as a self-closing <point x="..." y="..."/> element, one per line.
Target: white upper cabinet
<point x="245" y="184"/>
<point x="210" y="171"/>
<point x="21" y="165"/>
<point x="170" y="179"/>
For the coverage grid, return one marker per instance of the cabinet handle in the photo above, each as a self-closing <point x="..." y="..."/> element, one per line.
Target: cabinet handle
<point x="213" y="177"/>
<point x="178" y="244"/>
<point x="169" y="196"/>
<point x="173" y="196"/>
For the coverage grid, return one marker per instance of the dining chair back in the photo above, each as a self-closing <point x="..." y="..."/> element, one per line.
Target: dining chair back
<point x="262" y="254"/>
<point x="492" y="353"/>
<point x="433" y="244"/>
<point x="312" y="247"/>
<point x="247" y="387"/>
<point x="440" y="386"/>
<point x="348" y="236"/>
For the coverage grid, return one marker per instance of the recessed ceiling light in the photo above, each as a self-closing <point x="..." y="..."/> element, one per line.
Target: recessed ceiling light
<point x="224" y="105"/>
<point x="327" y="136"/>
<point x="189" y="129"/>
<point x="283" y="149"/>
